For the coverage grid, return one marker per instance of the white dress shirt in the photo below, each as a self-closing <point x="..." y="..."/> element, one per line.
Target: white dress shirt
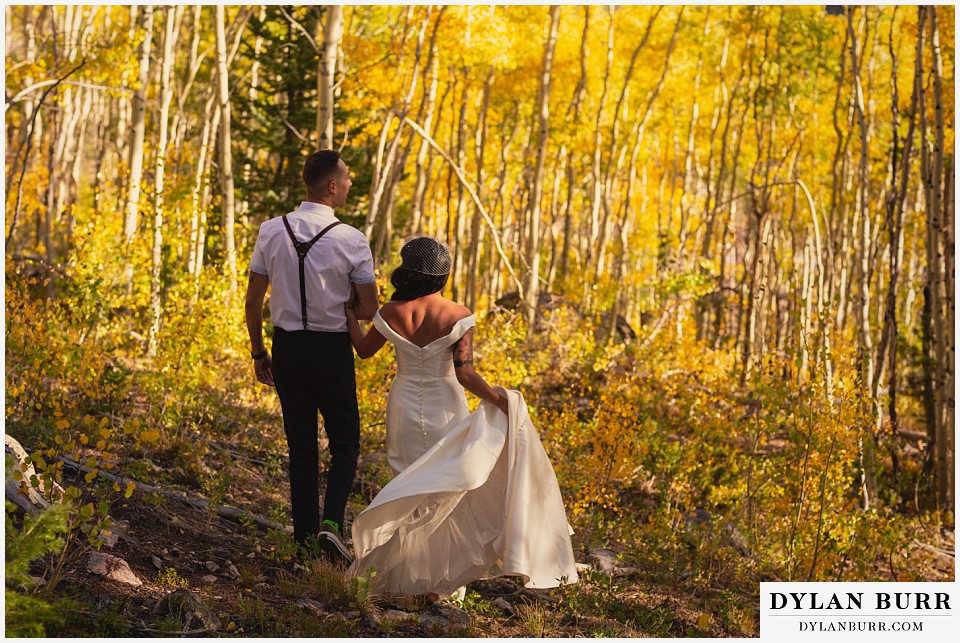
<point x="341" y="257"/>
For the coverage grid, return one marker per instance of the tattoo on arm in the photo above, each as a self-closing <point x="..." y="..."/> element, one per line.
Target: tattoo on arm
<point x="463" y="350"/>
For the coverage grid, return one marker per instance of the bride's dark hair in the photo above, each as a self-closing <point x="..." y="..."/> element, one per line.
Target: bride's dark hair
<point x="424" y="271"/>
<point x="413" y="285"/>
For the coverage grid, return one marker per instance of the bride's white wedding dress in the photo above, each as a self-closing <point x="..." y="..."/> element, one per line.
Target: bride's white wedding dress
<point x="475" y="495"/>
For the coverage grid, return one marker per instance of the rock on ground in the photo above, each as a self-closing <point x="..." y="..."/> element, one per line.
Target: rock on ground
<point x="113" y="568"/>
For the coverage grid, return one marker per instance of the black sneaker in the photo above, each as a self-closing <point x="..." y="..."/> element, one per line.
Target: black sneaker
<point x="332" y="547"/>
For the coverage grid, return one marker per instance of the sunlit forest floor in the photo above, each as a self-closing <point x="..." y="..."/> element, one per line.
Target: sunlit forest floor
<point x="685" y="488"/>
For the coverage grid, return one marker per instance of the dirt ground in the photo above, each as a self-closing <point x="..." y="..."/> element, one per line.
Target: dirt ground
<point x="241" y="574"/>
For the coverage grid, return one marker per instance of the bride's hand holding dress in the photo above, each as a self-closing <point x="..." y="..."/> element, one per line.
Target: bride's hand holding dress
<point x="475" y="495"/>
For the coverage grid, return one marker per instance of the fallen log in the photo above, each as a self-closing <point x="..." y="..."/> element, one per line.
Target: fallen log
<point x="23" y="492"/>
<point x="224" y="511"/>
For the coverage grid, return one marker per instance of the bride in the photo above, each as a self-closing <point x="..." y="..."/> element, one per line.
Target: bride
<point x="475" y="495"/>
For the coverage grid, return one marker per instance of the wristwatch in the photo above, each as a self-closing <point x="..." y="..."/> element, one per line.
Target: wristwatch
<point x="259" y="356"/>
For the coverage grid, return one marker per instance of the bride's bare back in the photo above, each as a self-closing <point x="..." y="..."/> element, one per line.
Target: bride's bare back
<point x="423" y="320"/>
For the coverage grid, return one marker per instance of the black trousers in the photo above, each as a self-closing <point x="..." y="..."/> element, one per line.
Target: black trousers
<point x="314" y="371"/>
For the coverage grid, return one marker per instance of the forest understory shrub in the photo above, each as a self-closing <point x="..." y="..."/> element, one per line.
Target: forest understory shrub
<point x="659" y="451"/>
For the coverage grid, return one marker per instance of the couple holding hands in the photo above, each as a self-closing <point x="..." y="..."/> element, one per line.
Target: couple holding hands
<point x="474" y="494"/>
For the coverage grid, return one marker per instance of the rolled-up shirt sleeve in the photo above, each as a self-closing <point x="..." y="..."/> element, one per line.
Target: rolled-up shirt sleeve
<point x="258" y="263"/>
<point x="362" y="272"/>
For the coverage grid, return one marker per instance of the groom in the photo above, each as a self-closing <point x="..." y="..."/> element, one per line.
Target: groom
<point x="313" y="263"/>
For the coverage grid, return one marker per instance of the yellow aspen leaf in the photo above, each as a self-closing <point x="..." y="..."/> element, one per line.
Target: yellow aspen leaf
<point x="86" y="512"/>
<point x="84" y="439"/>
<point x="91" y="476"/>
<point x="150" y="436"/>
<point x="129" y="490"/>
<point x="703" y="622"/>
<point x="105" y="433"/>
<point x="91" y="463"/>
<point x="101" y="444"/>
<point x="116" y="486"/>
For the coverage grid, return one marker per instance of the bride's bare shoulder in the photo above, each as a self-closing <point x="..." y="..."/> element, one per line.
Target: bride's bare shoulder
<point x="455" y="312"/>
<point x="388" y="310"/>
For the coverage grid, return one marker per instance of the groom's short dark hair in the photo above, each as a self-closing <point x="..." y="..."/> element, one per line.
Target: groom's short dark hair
<point x="319" y="168"/>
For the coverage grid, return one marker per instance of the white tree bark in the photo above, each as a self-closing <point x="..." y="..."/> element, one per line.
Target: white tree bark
<point x="543" y="127"/>
<point x="138" y="128"/>
<point x="326" y="74"/>
<point x="226" y="155"/>
<point x="166" y="96"/>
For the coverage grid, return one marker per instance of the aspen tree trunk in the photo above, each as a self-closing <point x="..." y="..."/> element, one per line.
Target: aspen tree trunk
<point x="495" y="270"/>
<point x="758" y="225"/>
<point x="846" y="226"/>
<point x="326" y="74"/>
<point x="900" y="179"/>
<point x="549" y="236"/>
<point x="457" y="237"/>
<point x="31" y="133"/>
<point x="65" y="121"/>
<point x="949" y="355"/>
<point x="936" y="206"/>
<point x="124" y="107"/>
<point x="78" y="157"/>
<point x="226" y="154"/>
<point x="103" y="114"/>
<point x="211" y="122"/>
<point x="725" y="244"/>
<point x="589" y="240"/>
<point x="429" y="107"/>
<point x="30" y="56"/>
<point x="80" y="103"/>
<point x="712" y="197"/>
<point x="476" y="232"/>
<point x="194" y="59"/>
<point x="931" y="289"/>
<point x="838" y="168"/>
<point x="575" y="112"/>
<point x="200" y="190"/>
<point x="450" y="220"/>
<point x="237" y="26"/>
<point x="865" y="361"/>
<point x="914" y="259"/>
<point x="689" y="153"/>
<point x="156" y="256"/>
<point x="385" y="166"/>
<point x="429" y="225"/>
<point x="137" y="131"/>
<point x="543" y="130"/>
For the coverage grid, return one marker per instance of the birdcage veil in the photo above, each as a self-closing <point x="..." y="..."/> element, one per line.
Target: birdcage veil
<point x="426" y="255"/>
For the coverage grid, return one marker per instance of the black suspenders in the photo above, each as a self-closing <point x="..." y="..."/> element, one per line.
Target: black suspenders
<point x="302" y="248"/>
